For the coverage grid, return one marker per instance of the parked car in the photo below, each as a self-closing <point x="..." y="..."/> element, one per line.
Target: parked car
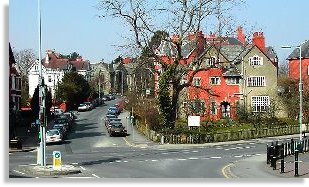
<point x="113" y="110"/>
<point x="90" y="105"/>
<point x="63" y="120"/>
<point x="117" y="129"/>
<point x="61" y="128"/>
<point x="82" y="107"/>
<point x="53" y="136"/>
<point x="105" y="98"/>
<point x="111" y="96"/>
<point x="110" y="121"/>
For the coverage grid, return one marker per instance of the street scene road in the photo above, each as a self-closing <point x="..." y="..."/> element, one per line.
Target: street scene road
<point x="90" y="148"/>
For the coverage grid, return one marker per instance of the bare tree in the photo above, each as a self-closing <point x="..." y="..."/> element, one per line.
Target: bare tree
<point x="178" y="17"/>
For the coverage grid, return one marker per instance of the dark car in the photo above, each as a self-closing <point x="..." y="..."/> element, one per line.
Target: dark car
<point x="110" y="121"/>
<point x="117" y="129"/>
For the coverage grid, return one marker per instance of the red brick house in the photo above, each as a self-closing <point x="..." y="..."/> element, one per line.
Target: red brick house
<point x="294" y="63"/>
<point x="225" y="82"/>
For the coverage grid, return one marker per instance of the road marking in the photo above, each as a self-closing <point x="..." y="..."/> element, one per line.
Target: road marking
<point x="193" y="158"/>
<point x="164" y="153"/>
<point x="252" y="143"/>
<point x="248" y="147"/>
<point x="154" y="160"/>
<point x="226" y="171"/>
<point x="75" y="163"/>
<point x="128" y="143"/>
<point x="186" y="152"/>
<point x="19" y="172"/>
<point x="258" y="154"/>
<point x="181" y="159"/>
<point x="118" y="161"/>
<point x="195" y="151"/>
<point x="82" y="168"/>
<point x="226" y="149"/>
<point x="216" y="157"/>
<point x="238" y="156"/>
<point x="95" y="176"/>
<point x="233" y="148"/>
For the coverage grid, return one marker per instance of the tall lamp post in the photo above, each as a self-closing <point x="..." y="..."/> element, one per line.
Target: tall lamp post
<point x="300" y="89"/>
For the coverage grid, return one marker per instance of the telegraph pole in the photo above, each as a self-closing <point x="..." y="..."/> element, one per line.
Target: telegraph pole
<point x="41" y="160"/>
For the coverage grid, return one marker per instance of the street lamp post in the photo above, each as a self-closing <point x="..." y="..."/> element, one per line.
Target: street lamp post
<point x="300" y="90"/>
<point x="100" y="85"/>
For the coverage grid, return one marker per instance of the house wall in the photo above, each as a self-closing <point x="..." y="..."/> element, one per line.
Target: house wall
<point x="268" y="70"/>
<point x="294" y="69"/>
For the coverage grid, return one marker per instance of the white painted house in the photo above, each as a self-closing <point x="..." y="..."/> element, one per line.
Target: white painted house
<point x="53" y="69"/>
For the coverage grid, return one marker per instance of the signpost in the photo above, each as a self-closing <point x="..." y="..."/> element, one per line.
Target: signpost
<point x="194" y="121"/>
<point x="57" y="160"/>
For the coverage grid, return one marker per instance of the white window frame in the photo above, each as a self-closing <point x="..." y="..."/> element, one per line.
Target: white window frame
<point x="195" y="79"/>
<point x="232" y="81"/>
<point x="212" y="61"/>
<point x="260" y="103"/>
<point x="308" y="69"/>
<point x="256" y="60"/>
<point x="256" y="81"/>
<point x="217" y="80"/>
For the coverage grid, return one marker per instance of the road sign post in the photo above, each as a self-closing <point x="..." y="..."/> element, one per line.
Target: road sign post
<point x="57" y="165"/>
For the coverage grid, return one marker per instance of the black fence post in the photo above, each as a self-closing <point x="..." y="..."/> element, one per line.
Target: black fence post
<point x="282" y="158"/>
<point x="286" y="149"/>
<point x="267" y="154"/>
<point x="296" y="163"/>
<point x="292" y="146"/>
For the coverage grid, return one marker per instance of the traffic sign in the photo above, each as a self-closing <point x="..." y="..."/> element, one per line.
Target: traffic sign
<point x="57" y="160"/>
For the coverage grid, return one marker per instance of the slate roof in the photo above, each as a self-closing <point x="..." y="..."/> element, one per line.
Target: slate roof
<point x="231" y="51"/>
<point x="304" y="51"/>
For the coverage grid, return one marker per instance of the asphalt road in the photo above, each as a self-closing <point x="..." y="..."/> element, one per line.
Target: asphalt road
<point x="98" y="155"/>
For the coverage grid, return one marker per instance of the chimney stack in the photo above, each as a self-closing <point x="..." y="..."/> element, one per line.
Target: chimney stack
<point x="240" y="35"/>
<point x="259" y="40"/>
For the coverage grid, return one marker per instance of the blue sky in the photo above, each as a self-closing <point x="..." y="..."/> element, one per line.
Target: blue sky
<point x="72" y="25"/>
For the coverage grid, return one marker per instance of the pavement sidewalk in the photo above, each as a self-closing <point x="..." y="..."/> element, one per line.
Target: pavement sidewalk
<point x="256" y="167"/>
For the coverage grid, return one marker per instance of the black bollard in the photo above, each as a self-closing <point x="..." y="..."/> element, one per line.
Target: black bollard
<point x="292" y="146"/>
<point x="271" y="154"/>
<point x="296" y="163"/>
<point x="282" y="158"/>
<point x="267" y="154"/>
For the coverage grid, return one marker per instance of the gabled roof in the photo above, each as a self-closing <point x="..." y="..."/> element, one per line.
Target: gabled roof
<point x="55" y="62"/>
<point x="304" y="51"/>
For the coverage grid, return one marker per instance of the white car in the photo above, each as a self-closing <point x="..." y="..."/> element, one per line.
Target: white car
<point x="82" y="107"/>
<point x="53" y="136"/>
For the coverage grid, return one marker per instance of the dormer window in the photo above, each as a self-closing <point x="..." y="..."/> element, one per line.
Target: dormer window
<point x="212" y="61"/>
<point x="256" y="60"/>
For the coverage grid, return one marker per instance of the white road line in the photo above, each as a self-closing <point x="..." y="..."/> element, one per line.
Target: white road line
<point x="95" y="176"/>
<point x="193" y="158"/>
<point x="216" y="157"/>
<point x="239" y="144"/>
<point x="118" y="161"/>
<point x="233" y="148"/>
<point x="125" y="161"/>
<point x="258" y="154"/>
<point x="226" y="149"/>
<point x="164" y="153"/>
<point x="195" y="151"/>
<point x="181" y="159"/>
<point x="82" y="168"/>
<point x="19" y="172"/>
<point x="74" y="163"/>
<point x="154" y="160"/>
<point x="248" y="147"/>
<point x="186" y="152"/>
<point x="252" y="143"/>
<point x="238" y="156"/>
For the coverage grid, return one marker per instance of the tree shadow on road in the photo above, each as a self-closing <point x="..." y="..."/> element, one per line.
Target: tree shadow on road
<point x="99" y="161"/>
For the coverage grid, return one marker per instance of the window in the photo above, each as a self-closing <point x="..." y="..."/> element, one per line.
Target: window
<point x="214" y="80"/>
<point x="197" y="81"/>
<point x="232" y="80"/>
<point x="213" y="108"/>
<point x="260" y="103"/>
<point x="212" y="61"/>
<point x="36" y="68"/>
<point x="18" y="83"/>
<point x="49" y="78"/>
<point x="256" y="60"/>
<point x="256" y="81"/>
<point x="183" y="80"/>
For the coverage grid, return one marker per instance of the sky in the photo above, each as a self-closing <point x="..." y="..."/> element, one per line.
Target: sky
<point x="73" y="25"/>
